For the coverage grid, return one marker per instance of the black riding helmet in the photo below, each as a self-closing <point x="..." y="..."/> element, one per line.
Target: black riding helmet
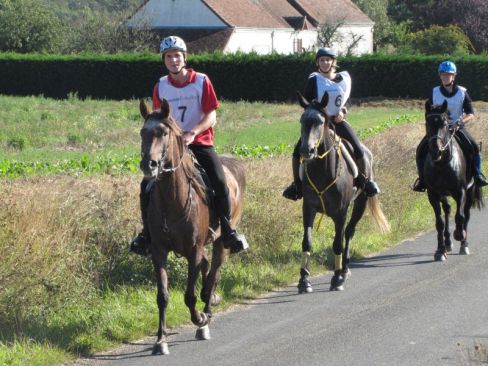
<point x="325" y="51"/>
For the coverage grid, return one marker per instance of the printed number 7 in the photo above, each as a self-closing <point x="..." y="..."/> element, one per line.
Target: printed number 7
<point x="183" y="109"/>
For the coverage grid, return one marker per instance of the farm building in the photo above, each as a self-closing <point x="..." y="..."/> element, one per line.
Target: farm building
<point x="262" y="26"/>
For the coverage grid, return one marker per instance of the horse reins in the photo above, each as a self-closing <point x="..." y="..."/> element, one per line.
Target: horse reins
<point x="337" y="146"/>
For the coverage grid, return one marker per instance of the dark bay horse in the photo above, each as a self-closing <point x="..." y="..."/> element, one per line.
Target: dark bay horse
<point x="447" y="173"/>
<point x="180" y="218"/>
<point x="328" y="189"/>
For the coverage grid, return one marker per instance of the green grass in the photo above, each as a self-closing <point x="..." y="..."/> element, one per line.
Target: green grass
<point x="40" y="136"/>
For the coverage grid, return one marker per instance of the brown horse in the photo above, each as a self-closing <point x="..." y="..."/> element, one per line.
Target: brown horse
<point x="180" y="216"/>
<point x="328" y="188"/>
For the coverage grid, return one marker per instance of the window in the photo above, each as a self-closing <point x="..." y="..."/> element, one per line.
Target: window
<point x="297" y="45"/>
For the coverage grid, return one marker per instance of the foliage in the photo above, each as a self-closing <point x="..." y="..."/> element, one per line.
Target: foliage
<point x="330" y="35"/>
<point x="469" y="15"/>
<point x="377" y="10"/>
<point x="28" y="26"/>
<point x="438" y="40"/>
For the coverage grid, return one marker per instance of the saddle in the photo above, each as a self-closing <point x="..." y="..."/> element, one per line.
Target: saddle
<point x="468" y="152"/>
<point x="346" y="151"/>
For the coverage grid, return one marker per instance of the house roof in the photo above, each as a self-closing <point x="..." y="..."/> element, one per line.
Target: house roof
<point x="296" y="14"/>
<point x="331" y="11"/>
<point x="253" y="13"/>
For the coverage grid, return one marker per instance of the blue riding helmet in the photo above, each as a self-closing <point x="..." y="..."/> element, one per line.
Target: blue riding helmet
<point x="448" y="67"/>
<point x="325" y="51"/>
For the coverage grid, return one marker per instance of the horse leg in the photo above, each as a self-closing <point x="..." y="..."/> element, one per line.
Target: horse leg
<point x="357" y="213"/>
<point x="160" y="261"/>
<point x="446" y="207"/>
<point x="460" y="232"/>
<point x="440" y="254"/>
<point x="464" y="249"/>
<point x="337" y="281"/>
<point x="304" y="284"/>
<point x="208" y="294"/>
<point x="194" y="264"/>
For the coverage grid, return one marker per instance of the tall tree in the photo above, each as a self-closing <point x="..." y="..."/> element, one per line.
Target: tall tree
<point x="28" y="26"/>
<point x="377" y="10"/>
<point x="469" y="15"/>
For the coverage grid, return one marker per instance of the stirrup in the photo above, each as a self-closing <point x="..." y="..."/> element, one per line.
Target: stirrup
<point x="235" y="242"/>
<point x="480" y="180"/>
<point x="419" y="185"/>
<point x="139" y="245"/>
<point x="371" y="188"/>
<point x="292" y="192"/>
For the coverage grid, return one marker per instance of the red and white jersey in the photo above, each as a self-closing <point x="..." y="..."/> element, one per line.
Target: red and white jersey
<point x="189" y="101"/>
<point x="455" y="103"/>
<point x="338" y="91"/>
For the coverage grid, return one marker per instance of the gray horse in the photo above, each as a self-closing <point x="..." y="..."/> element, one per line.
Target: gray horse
<point x="328" y="188"/>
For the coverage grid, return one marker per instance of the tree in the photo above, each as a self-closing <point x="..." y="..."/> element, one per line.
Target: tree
<point x="27" y="26"/>
<point x="377" y="10"/>
<point x="440" y="40"/>
<point x="469" y="15"/>
<point x="330" y="35"/>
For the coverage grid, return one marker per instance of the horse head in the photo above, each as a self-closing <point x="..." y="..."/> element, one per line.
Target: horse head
<point x="437" y="130"/>
<point x="314" y="126"/>
<point x="161" y="142"/>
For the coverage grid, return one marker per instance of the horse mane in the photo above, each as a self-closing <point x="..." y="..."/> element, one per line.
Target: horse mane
<point x="187" y="163"/>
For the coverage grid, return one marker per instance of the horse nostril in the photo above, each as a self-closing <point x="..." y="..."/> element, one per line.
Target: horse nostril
<point x="153" y="164"/>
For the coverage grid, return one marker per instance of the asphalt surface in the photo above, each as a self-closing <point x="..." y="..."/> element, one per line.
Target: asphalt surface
<point x="398" y="308"/>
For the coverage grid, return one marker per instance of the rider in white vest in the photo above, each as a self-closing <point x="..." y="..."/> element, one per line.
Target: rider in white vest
<point x="193" y="103"/>
<point x="338" y="86"/>
<point x="460" y="111"/>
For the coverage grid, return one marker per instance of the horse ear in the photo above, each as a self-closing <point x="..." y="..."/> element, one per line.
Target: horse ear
<point x="324" y="101"/>
<point x="428" y="105"/>
<point x="444" y="106"/>
<point x="165" y="108"/>
<point x="143" y="109"/>
<point x="301" y="99"/>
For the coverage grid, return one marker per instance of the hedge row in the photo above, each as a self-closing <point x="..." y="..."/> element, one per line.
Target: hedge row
<point x="235" y="77"/>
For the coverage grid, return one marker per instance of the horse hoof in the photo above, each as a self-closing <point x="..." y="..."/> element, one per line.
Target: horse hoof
<point x="440" y="257"/>
<point x="449" y="248"/>
<point x="459" y="235"/>
<point x="304" y="285"/>
<point x="160" y="348"/>
<point x="305" y="289"/>
<point x="203" y="333"/>
<point x="464" y="250"/>
<point x="337" y="283"/>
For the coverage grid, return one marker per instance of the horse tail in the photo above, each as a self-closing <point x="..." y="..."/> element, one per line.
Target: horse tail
<point x="378" y="215"/>
<point x="478" y="197"/>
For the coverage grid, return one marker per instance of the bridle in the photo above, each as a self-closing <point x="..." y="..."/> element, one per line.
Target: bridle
<point x="335" y="144"/>
<point x="451" y="132"/>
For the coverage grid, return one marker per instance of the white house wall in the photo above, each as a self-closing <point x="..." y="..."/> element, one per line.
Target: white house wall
<point x="265" y="41"/>
<point x="175" y="14"/>
<point x="346" y="32"/>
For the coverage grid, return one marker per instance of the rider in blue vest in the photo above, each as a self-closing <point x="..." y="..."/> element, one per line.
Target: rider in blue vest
<point x="338" y="86"/>
<point x="460" y="111"/>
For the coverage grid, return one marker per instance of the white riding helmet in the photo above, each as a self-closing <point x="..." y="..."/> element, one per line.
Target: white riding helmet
<point x="172" y="43"/>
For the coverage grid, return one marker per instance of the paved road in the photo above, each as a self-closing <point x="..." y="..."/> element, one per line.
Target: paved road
<point x="398" y="308"/>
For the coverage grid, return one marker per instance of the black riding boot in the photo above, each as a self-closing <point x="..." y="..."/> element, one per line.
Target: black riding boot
<point x="479" y="178"/>
<point x="294" y="190"/>
<point x="140" y="244"/>
<point x="231" y="239"/>
<point x="421" y="153"/>
<point x="363" y="182"/>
